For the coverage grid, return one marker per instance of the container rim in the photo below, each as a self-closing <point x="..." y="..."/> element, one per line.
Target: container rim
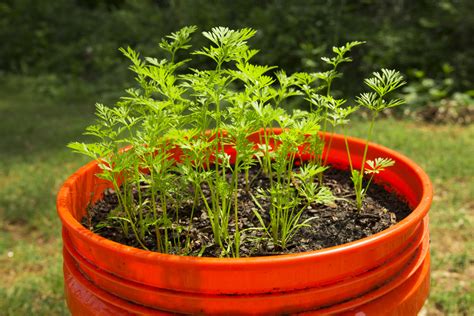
<point x="416" y="216"/>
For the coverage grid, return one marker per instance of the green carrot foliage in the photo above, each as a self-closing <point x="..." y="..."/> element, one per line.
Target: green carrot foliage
<point x="199" y="112"/>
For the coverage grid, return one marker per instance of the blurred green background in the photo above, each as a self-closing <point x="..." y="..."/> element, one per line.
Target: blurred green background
<point x="57" y="58"/>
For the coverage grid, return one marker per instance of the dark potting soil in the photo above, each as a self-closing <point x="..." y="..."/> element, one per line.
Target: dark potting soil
<point x="330" y="225"/>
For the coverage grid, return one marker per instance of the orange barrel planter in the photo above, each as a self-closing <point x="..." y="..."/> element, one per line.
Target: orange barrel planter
<point x="387" y="273"/>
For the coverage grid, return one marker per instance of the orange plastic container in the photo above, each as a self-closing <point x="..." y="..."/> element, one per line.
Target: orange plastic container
<point x="387" y="273"/>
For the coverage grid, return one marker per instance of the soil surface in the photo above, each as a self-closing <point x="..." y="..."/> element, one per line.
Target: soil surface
<point x="331" y="225"/>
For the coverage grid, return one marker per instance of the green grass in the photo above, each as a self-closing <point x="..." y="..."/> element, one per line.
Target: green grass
<point x="34" y="162"/>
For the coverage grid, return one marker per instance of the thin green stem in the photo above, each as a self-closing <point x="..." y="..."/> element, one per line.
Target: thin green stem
<point x="155" y="213"/>
<point x="347" y="149"/>
<point x="191" y="217"/>
<point x="236" y="204"/>
<point x="366" y="148"/>
<point x="328" y="147"/>
<point x="369" y="182"/>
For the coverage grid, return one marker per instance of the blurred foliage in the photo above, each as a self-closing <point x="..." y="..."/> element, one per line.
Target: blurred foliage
<point x="79" y="38"/>
<point x="436" y="100"/>
<point x="426" y="90"/>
